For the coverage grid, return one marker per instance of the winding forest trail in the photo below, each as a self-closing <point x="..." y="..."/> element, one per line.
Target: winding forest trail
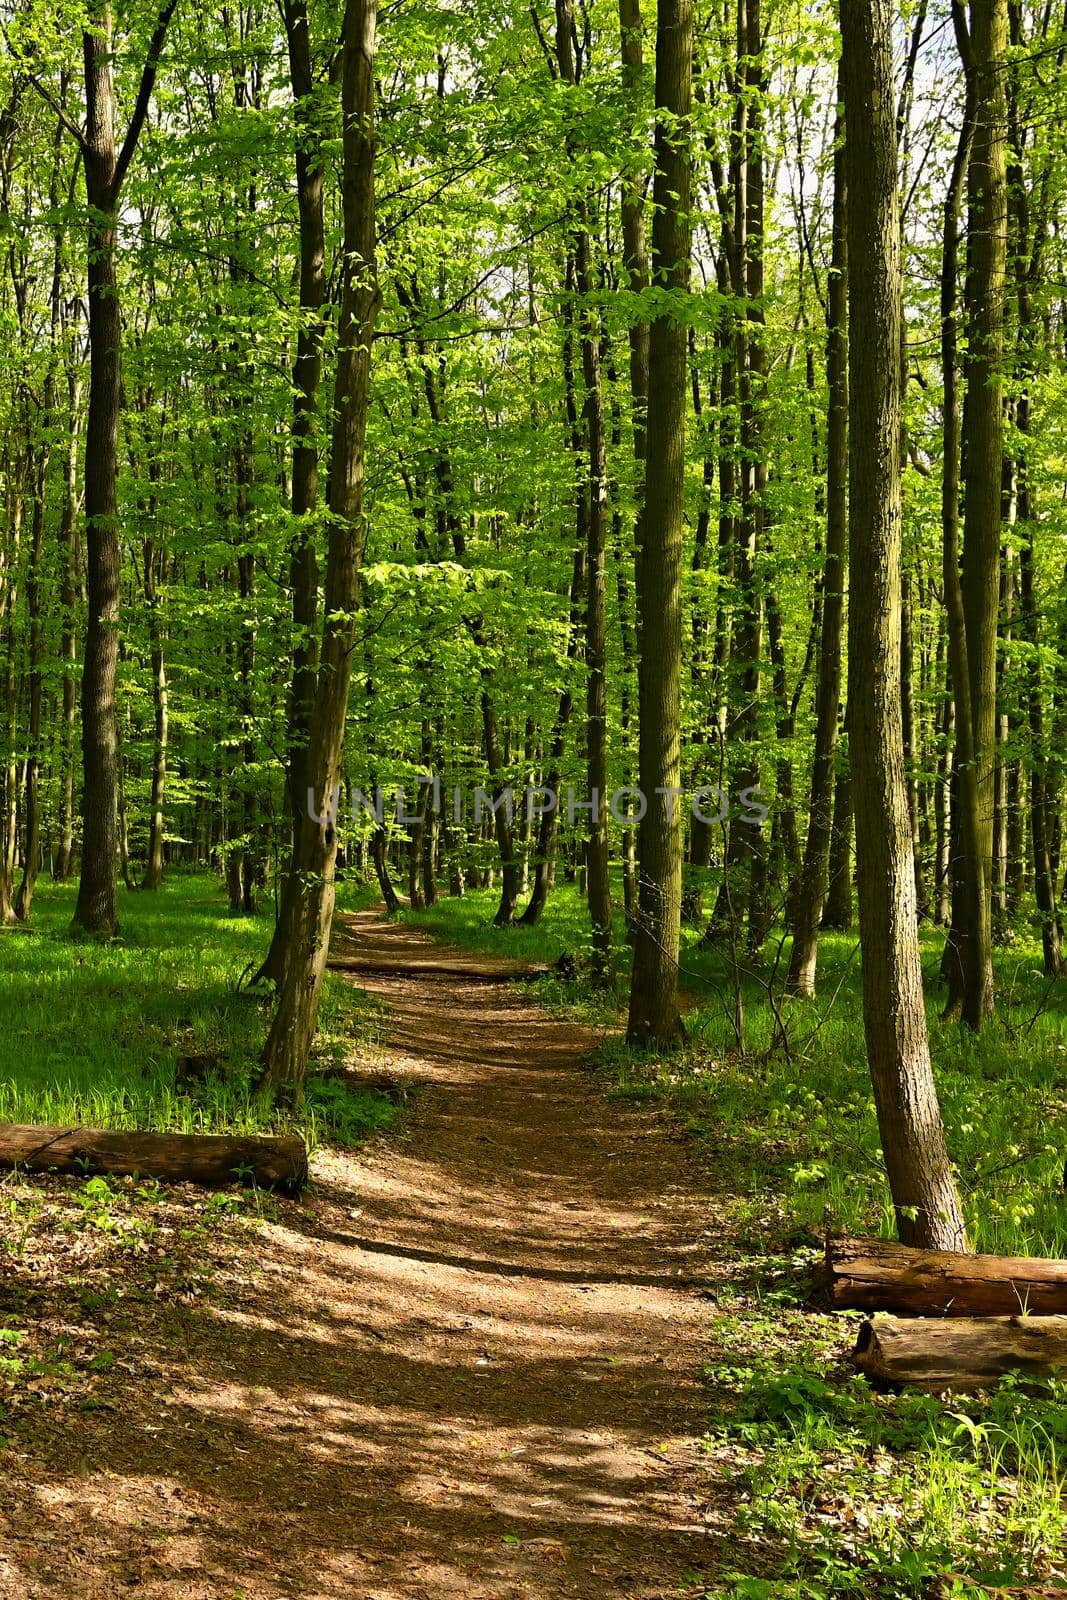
<point x="470" y="1368"/>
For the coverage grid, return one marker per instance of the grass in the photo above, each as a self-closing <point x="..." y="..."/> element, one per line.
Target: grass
<point x="816" y="1486"/>
<point x="97" y="1034"/>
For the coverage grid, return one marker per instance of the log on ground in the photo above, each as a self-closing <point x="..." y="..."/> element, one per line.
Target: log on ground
<point x="960" y="1352"/>
<point x="879" y="1275"/>
<point x="212" y="1160"/>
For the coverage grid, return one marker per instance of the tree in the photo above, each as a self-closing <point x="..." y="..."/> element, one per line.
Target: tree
<point x="307" y="376"/>
<point x="973" y="620"/>
<point x="815" y="872"/>
<point x="594" y="491"/>
<point x="106" y="164"/>
<point x="309" y="916"/>
<point x="654" y="1017"/>
<point x="909" y="1117"/>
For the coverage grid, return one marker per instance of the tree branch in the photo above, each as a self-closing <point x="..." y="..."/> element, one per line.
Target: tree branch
<point x="144" y="95"/>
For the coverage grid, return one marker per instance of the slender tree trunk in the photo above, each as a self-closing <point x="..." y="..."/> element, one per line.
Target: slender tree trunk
<point x="837" y="915"/>
<point x="105" y="165"/>
<point x="970" y="973"/>
<point x="746" y="846"/>
<point x="307" y="376"/>
<point x="32" y="857"/>
<point x="595" y="491"/>
<point x="810" y="896"/>
<point x="96" y="910"/>
<point x="9" y="816"/>
<point x="943" y="815"/>
<point x="153" y="873"/>
<point x="32" y="793"/>
<point x="309" y="917"/>
<point x="68" y="649"/>
<point x="125" y="866"/>
<point x="909" y="724"/>
<point x="909" y="1118"/>
<point x="654" y="1017"/>
<point x="381" y="870"/>
<point x="1027" y="256"/>
<point x="548" y="819"/>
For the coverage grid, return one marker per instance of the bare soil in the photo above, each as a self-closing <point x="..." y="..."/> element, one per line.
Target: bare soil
<point x="469" y="1365"/>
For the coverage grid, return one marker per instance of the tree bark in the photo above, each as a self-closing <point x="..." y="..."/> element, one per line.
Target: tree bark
<point x="307" y="377"/>
<point x="1027" y="256"/>
<point x="960" y="1353"/>
<point x="654" y="1018"/>
<point x="920" y="1177"/>
<point x="595" y="491"/>
<point x="810" y="896"/>
<point x="68" y="649"/>
<point x="879" y="1275"/>
<point x="548" y="820"/>
<point x="970" y="973"/>
<point x="211" y="1160"/>
<point x="309" y="916"/>
<point x="32" y="853"/>
<point x="153" y="873"/>
<point x="105" y="165"/>
<point x="837" y="914"/>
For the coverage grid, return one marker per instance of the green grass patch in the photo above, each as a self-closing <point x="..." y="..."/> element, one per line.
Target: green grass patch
<point x="467" y="922"/>
<point x="151" y="1031"/>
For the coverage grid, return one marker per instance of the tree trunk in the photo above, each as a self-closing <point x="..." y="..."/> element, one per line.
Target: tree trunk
<point x="971" y="991"/>
<point x="654" y="1017"/>
<point x="68" y="649"/>
<point x="9" y="815"/>
<point x="32" y="795"/>
<point x="96" y="911"/>
<point x="837" y="915"/>
<point x="810" y="896"/>
<point x="32" y="856"/>
<point x="153" y="873"/>
<point x="309" y="916"/>
<point x="909" y="1118"/>
<point x="1026" y="253"/>
<point x="381" y="871"/>
<point x="307" y="376"/>
<point x="105" y="167"/>
<point x="548" y="820"/>
<point x="594" y="490"/>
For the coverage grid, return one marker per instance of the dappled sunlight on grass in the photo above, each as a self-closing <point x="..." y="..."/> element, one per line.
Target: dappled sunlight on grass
<point x="150" y="1030"/>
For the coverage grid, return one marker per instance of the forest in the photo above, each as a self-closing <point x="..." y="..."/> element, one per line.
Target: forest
<point x="533" y="780"/>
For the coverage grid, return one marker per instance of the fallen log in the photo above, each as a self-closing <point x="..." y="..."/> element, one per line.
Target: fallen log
<point x="212" y="1160"/>
<point x="960" y="1352"/>
<point x="879" y="1275"/>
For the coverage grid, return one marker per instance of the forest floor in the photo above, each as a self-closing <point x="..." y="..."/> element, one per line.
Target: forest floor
<point x="469" y="1364"/>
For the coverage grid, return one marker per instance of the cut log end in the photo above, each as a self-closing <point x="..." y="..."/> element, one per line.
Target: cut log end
<point x="213" y="1161"/>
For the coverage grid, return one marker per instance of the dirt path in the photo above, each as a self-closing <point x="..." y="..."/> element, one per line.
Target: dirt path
<point x="468" y="1368"/>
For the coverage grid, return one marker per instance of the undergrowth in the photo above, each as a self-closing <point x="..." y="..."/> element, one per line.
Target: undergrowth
<point x="153" y="1030"/>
